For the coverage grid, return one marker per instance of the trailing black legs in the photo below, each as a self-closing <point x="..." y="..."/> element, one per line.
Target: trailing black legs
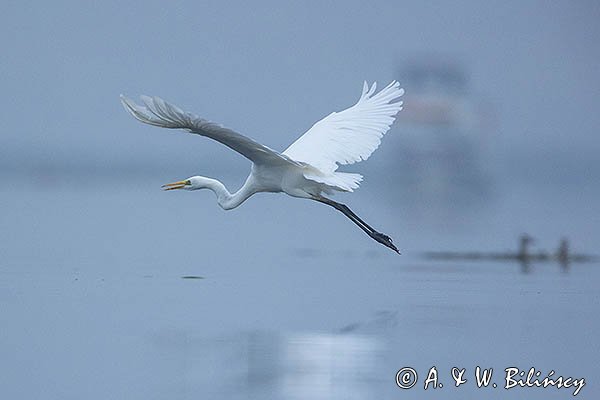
<point x="377" y="236"/>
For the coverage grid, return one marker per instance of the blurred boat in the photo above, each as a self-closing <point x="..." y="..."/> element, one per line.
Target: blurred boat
<point x="442" y="137"/>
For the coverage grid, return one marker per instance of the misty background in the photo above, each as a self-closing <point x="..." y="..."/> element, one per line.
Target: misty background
<point x="270" y="71"/>
<point x="498" y="137"/>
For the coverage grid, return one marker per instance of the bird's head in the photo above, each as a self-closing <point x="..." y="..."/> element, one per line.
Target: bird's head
<point x="191" y="183"/>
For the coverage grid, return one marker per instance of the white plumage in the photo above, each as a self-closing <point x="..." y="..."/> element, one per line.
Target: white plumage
<point x="351" y="135"/>
<point x="348" y="136"/>
<point x="308" y="167"/>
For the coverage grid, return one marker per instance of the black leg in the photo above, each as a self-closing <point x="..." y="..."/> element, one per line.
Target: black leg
<point x="377" y="236"/>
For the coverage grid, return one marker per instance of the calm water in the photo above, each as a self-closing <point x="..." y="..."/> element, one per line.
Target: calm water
<point x="294" y="302"/>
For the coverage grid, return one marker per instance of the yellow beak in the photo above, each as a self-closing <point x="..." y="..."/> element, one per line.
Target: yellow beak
<point x="174" y="185"/>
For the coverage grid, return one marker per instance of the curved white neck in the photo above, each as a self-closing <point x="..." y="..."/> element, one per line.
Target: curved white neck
<point x="226" y="200"/>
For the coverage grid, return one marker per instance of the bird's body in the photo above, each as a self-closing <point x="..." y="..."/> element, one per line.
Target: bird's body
<point x="262" y="178"/>
<point x="308" y="168"/>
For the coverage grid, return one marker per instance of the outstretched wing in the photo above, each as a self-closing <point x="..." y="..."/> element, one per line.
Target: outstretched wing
<point x="158" y="112"/>
<point x="351" y="135"/>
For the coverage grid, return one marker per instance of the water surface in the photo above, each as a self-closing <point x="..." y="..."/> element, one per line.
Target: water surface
<point x="117" y="290"/>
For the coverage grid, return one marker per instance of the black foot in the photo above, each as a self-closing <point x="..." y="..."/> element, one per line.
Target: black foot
<point x="384" y="240"/>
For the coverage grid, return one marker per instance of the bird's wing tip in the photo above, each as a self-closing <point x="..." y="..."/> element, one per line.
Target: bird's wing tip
<point x="127" y="102"/>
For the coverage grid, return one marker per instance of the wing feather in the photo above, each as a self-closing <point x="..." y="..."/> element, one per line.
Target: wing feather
<point x="351" y="135"/>
<point x="158" y="112"/>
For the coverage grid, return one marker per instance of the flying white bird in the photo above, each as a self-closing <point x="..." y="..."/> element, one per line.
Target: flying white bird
<point x="306" y="169"/>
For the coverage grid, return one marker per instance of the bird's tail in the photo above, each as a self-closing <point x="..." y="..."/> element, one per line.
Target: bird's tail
<point x="341" y="181"/>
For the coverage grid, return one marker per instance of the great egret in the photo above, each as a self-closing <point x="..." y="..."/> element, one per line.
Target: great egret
<point x="306" y="169"/>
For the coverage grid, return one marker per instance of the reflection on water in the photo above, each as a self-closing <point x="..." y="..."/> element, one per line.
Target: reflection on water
<point x="312" y="365"/>
<point x="345" y="364"/>
<point x="275" y="365"/>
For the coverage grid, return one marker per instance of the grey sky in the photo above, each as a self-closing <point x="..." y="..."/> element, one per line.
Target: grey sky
<point x="270" y="70"/>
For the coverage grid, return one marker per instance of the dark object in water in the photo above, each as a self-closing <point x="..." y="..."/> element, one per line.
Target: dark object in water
<point x="192" y="277"/>
<point x="562" y="254"/>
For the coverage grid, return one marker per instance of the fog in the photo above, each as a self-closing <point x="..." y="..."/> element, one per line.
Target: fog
<point x="270" y="70"/>
<point x="112" y="288"/>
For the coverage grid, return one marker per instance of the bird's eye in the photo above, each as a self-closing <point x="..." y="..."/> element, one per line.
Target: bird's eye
<point x="188" y="183"/>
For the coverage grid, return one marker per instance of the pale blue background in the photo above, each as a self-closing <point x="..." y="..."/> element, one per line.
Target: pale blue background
<point x="92" y="304"/>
